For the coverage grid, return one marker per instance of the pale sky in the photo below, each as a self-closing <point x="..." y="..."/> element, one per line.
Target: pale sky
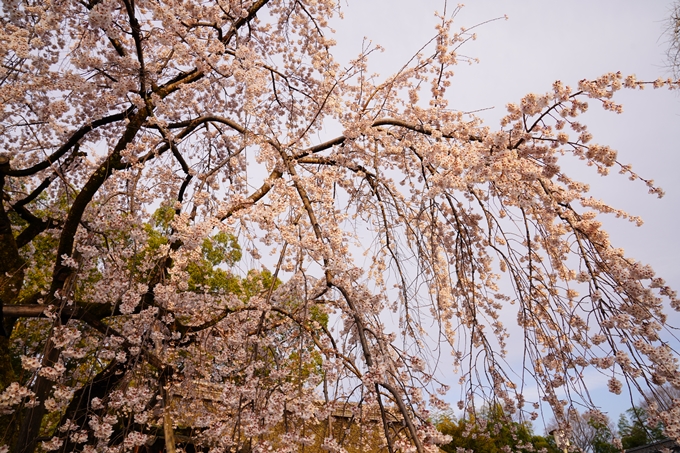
<point x="544" y="41"/>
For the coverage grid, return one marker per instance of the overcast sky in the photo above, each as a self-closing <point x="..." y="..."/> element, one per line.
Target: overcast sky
<point x="547" y="40"/>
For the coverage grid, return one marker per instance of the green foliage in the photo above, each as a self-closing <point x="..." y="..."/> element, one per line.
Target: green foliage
<point x="38" y="256"/>
<point x="221" y="248"/>
<point x="602" y="440"/>
<point x="319" y="316"/>
<point x="162" y="218"/>
<point x="490" y="432"/>
<point x="257" y="282"/>
<point x="635" y="429"/>
<point x="209" y="272"/>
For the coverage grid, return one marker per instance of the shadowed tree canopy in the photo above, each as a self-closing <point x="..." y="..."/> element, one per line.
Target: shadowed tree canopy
<point x="636" y="430"/>
<point x="491" y="431"/>
<point x="158" y="156"/>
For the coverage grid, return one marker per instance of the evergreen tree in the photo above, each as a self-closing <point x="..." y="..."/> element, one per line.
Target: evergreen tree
<point x="635" y="429"/>
<point x="489" y="432"/>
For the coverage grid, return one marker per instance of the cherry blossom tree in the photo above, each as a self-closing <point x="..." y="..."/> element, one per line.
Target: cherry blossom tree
<point x="190" y="257"/>
<point x="672" y="33"/>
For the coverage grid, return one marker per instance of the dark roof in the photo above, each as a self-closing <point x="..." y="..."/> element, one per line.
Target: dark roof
<point x="657" y="446"/>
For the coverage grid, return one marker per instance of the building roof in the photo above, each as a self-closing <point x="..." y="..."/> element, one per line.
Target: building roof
<point x="658" y="446"/>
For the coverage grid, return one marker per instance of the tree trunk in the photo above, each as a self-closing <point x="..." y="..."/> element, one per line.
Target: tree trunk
<point x="33" y="416"/>
<point x="11" y="281"/>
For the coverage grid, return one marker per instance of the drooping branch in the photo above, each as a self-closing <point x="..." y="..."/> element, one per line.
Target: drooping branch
<point x="79" y="409"/>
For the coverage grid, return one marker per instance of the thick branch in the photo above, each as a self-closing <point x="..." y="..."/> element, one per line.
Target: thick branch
<point x="421" y="129"/>
<point x="255" y="196"/>
<point x="70" y="143"/>
<point x="88" y="192"/>
<point x="252" y="12"/>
